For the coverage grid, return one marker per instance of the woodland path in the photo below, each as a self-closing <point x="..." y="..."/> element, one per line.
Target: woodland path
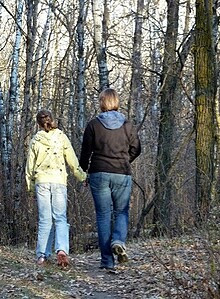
<point x="165" y="268"/>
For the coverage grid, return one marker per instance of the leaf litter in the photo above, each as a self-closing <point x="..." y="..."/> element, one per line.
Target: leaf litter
<point x="157" y="268"/>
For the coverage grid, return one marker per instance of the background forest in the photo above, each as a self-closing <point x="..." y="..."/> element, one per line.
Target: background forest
<point x="163" y="59"/>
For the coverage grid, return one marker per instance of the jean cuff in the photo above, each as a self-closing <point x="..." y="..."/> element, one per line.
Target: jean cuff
<point x="118" y="242"/>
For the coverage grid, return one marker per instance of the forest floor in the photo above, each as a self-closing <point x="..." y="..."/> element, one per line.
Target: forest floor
<point x="185" y="267"/>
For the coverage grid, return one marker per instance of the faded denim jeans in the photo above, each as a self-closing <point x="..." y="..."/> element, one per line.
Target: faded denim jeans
<point x="111" y="193"/>
<point x="52" y="221"/>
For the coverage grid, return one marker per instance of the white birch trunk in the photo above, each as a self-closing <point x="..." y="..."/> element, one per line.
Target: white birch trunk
<point x="81" y="68"/>
<point x="26" y="116"/>
<point x="1" y="13"/>
<point x="14" y="81"/>
<point x="44" y="45"/>
<point x="9" y="110"/>
<point x="187" y="17"/>
<point x="137" y="76"/>
<point x="3" y="135"/>
<point x="4" y="170"/>
<point x="71" y="124"/>
<point x="100" y="44"/>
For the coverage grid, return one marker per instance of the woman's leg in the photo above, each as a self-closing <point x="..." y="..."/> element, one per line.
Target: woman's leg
<point x="99" y="183"/>
<point x="121" y="193"/>
<point x="59" y="212"/>
<point x="45" y="225"/>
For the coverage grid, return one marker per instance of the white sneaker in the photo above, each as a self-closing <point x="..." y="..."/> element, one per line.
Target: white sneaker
<point x="41" y="260"/>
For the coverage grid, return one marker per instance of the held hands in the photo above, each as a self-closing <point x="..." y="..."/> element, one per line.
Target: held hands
<point x="86" y="182"/>
<point x="31" y="189"/>
<point x="31" y="193"/>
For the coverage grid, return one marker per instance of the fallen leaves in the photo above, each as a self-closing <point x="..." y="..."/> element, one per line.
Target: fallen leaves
<point x="157" y="268"/>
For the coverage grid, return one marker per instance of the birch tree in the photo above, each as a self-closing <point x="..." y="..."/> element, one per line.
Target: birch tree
<point x="100" y="19"/>
<point x="11" y="108"/>
<point x="81" y="95"/>
<point x="14" y="84"/>
<point x="9" y="112"/>
<point x="3" y="144"/>
<point x="25" y="118"/>
<point x="44" y="44"/>
<point x="137" y="71"/>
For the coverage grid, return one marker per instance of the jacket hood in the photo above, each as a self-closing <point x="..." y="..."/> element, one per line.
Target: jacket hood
<point x="48" y="138"/>
<point x="111" y="119"/>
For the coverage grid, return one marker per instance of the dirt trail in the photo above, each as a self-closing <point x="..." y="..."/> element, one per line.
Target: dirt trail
<point x="175" y="268"/>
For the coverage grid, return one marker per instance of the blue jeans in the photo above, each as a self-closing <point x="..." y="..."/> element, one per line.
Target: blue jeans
<point x="52" y="222"/>
<point x="111" y="193"/>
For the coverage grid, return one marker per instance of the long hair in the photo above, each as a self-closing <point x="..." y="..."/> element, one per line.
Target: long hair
<point x="45" y="120"/>
<point x="108" y="100"/>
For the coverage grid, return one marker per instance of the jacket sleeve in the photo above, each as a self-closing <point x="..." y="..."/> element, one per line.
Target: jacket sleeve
<point x="135" y="145"/>
<point x="72" y="160"/>
<point x="86" y="150"/>
<point x="29" y="169"/>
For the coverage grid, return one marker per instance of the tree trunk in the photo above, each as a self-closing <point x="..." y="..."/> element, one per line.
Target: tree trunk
<point x="216" y="181"/>
<point x="81" y="69"/>
<point x="163" y="166"/>
<point x="137" y="72"/>
<point x="11" y="110"/>
<point x="25" y="122"/>
<point x="44" y="47"/>
<point x="9" y="130"/>
<point x="4" y="157"/>
<point x="100" y="18"/>
<point x="205" y="86"/>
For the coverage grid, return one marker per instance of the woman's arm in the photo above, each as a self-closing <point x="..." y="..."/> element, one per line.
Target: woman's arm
<point x="86" y="150"/>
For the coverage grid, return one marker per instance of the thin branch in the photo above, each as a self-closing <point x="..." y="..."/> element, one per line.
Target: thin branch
<point x="13" y="17"/>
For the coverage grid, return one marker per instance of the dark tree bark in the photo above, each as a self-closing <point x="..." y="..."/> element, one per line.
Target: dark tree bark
<point x="205" y="86"/>
<point x="169" y="79"/>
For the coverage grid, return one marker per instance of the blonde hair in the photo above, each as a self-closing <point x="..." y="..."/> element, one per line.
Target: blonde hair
<point x="108" y="100"/>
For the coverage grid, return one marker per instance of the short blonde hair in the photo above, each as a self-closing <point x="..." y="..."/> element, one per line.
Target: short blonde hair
<point x="108" y="100"/>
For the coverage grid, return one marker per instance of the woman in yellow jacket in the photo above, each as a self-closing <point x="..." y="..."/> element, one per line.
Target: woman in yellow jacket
<point x="46" y="175"/>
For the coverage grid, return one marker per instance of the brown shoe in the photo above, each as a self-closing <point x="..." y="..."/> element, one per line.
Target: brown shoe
<point x="119" y="250"/>
<point x="62" y="259"/>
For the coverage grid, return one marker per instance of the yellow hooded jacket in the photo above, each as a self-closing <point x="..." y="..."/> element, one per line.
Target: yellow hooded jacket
<point x="47" y="154"/>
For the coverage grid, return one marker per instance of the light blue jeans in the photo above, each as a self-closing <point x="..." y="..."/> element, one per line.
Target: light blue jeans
<point x="52" y="221"/>
<point x="111" y="193"/>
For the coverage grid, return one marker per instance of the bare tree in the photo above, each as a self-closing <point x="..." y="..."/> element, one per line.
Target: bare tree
<point x="100" y="18"/>
<point x="9" y="117"/>
<point x="60" y="56"/>
<point x="11" y="108"/>
<point x="81" y="94"/>
<point x="137" y="68"/>
<point x="18" y="180"/>
<point x="44" y="44"/>
<point x="172" y="68"/>
<point x="164" y="160"/>
<point x="205" y="86"/>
